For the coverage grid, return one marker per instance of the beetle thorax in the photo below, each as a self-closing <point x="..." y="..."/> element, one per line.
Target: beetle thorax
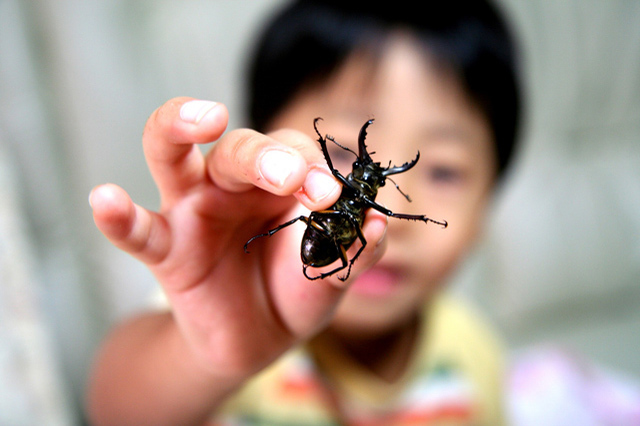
<point x="368" y="177"/>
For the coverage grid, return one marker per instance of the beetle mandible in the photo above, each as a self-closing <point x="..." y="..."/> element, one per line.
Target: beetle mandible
<point x="331" y="232"/>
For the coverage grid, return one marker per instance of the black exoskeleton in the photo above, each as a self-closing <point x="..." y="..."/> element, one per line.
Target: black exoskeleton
<point x="331" y="232"/>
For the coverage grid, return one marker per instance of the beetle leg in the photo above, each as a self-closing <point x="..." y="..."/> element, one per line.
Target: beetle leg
<point x="364" y="243"/>
<point x="276" y="229"/>
<point x="404" y="216"/>
<point x="343" y="253"/>
<point x="325" y="152"/>
<point x="343" y="258"/>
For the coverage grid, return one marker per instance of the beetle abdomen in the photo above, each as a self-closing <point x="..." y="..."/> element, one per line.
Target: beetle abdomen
<point x="318" y="249"/>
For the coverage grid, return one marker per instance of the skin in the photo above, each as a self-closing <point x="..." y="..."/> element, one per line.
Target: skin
<point x="419" y="107"/>
<point x="232" y="313"/>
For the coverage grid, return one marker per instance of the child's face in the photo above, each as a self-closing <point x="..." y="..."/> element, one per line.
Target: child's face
<point x="417" y="107"/>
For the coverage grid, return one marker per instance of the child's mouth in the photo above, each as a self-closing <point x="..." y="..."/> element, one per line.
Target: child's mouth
<point x="377" y="282"/>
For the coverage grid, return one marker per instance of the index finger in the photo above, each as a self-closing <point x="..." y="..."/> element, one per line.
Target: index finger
<point x="284" y="162"/>
<point x="169" y="140"/>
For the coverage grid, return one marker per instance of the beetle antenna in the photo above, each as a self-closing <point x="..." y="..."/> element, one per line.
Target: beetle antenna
<point x="329" y="137"/>
<point x="400" y="190"/>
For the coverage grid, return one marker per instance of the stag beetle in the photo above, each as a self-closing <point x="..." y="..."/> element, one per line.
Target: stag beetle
<point x="331" y="232"/>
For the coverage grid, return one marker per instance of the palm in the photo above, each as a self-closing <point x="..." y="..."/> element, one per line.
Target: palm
<point x="237" y="311"/>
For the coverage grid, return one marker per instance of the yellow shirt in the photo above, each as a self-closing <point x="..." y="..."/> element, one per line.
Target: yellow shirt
<point x="455" y="378"/>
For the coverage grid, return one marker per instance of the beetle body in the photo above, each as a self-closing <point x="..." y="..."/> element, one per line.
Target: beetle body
<point x="330" y="233"/>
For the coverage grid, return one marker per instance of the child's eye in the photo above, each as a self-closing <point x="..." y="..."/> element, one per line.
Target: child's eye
<point x="444" y="175"/>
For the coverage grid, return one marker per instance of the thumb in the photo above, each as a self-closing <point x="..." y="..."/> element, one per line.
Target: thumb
<point x="134" y="229"/>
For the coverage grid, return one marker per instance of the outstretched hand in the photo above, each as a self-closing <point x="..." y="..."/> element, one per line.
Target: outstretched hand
<point x="237" y="312"/>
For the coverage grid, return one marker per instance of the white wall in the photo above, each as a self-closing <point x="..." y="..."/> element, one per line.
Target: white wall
<point x="562" y="258"/>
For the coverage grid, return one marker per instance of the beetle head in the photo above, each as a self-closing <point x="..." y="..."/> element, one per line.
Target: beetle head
<point x="369" y="174"/>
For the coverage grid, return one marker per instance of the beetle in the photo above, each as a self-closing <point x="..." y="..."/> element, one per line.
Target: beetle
<point x="331" y="232"/>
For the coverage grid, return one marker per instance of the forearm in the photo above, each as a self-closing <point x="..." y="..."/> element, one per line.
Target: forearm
<point x="145" y="374"/>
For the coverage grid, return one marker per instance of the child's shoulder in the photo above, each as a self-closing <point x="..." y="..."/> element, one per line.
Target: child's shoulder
<point x="456" y="332"/>
<point x="454" y="321"/>
<point x="461" y="342"/>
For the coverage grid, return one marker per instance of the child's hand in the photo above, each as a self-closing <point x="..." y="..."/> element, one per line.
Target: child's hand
<point x="236" y="312"/>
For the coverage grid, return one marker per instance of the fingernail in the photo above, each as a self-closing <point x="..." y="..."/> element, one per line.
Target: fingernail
<point x="276" y="166"/>
<point x="319" y="185"/>
<point x="194" y="111"/>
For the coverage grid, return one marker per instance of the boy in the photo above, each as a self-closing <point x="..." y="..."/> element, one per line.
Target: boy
<point x="248" y="339"/>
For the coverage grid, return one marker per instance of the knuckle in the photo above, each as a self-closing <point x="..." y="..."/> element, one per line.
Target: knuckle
<point x="160" y="121"/>
<point x="241" y="146"/>
<point x="300" y="142"/>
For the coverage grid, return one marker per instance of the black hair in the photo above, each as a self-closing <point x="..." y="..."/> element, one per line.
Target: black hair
<point x="310" y="38"/>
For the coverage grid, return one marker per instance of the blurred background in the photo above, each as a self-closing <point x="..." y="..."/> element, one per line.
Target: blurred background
<point x="559" y="266"/>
